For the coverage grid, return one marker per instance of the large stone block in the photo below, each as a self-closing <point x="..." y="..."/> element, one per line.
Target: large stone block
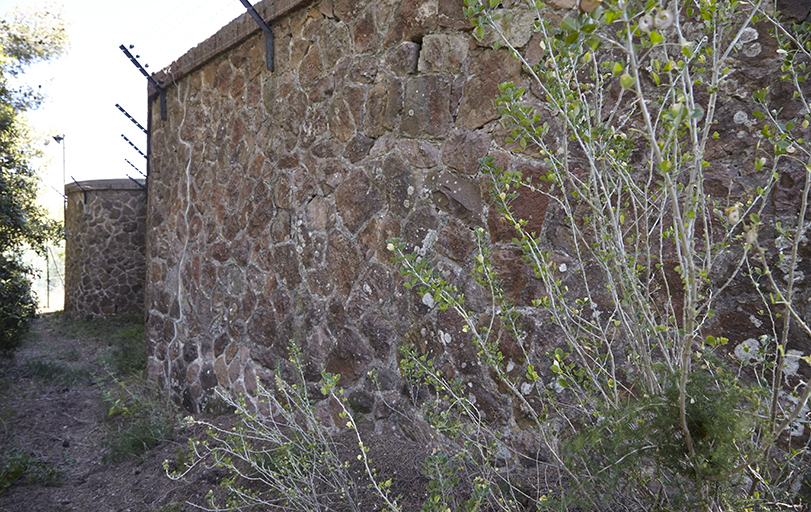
<point x="399" y="185"/>
<point x="463" y="195"/>
<point x="411" y="21"/>
<point x="357" y="200"/>
<point x="489" y="68"/>
<point x="350" y="358"/>
<point x="382" y="107"/>
<point x="426" y="109"/>
<point x="343" y="260"/>
<point x="443" y="53"/>
<point x="463" y="149"/>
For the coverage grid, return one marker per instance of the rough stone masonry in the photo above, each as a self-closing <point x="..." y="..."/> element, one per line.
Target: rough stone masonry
<point x="272" y="194"/>
<point x="105" y="233"/>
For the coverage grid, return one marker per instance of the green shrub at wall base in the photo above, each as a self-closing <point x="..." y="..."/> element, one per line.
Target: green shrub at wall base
<point x="18" y="305"/>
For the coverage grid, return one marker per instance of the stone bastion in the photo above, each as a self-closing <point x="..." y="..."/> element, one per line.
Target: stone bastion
<point x="105" y="251"/>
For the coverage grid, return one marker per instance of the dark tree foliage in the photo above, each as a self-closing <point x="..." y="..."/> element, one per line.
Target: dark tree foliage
<point x="26" y="37"/>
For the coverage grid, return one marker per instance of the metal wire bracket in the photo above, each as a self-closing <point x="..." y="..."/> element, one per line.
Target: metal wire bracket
<point x="269" y="52"/>
<point x="119" y="107"/>
<point x="152" y="81"/>
<point x="134" y="146"/>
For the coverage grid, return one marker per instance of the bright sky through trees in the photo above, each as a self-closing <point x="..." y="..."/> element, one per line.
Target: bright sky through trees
<point x="84" y="86"/>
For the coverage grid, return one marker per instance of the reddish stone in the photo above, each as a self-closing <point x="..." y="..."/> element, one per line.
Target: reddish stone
<point x="220" y="251"/>
<point x="530" y="206"/>
<point x="285" y="263"/>
<point x="358" y="148"/>
<point x="260" y="218"/>
<point x="403" y="58"/>
<point x="238" y="86"/>
<point x="322" y="88"/>
<point x="379" y="333"/>
<point x="399" y="185"/>
<point x="288" y="161"/>
<point x="426" y="108"/>
<point x="411" y="20"/>
<point x="419" y="153"/>
<point x="334" y="40"/>
<point x="222" y="81"/>
<point x="455" y="241"/>
<point x="365" y="33"/>
<point x="343" y="260"/>
<point x="347" y="10"/>
<point x="311" y="67"/>
<point x="451" y="15"/>
<point x="463" y="149"/>
<point x="208" y="378"/>
<point x="340" y="121"/>
<point x="382" y="106"/>
<point x="315" y="247"/>
<point x="320" y="282"/>
<point x="463" y="195"/>
<point x="358" y="200"/>
<point x="350" y="358"/>
<point x="306" y="187"/>
<point x="372" y="238"/>
<point x="490" y="68"/>
<point x="519" y="286"/>
<point x="355" y="96"/>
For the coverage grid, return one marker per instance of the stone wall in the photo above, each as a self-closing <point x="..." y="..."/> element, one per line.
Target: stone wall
<point x="272" y="195"/>
<point x="105" y="250"/>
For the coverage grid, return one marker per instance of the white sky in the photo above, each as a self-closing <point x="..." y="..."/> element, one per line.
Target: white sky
<point x="84" y="86"/>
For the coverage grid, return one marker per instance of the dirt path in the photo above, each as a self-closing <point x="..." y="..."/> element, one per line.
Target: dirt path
<point x="61" y="449"/>
<point x="55" y="430"/>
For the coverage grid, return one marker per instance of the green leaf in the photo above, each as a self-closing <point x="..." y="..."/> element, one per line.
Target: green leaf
<point x="611" y="16"/>
<point x="568" y="24"/>
<point x="480" y="32"/>
<point x="687" y="50"/>
<point x="655" y="37"/>
<point x="627" y="81"/>
<point x="760" y="94"/>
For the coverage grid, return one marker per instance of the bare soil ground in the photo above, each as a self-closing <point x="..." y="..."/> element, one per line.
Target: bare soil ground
<point x="70" y="453"/>
<point x="55" y="421"/>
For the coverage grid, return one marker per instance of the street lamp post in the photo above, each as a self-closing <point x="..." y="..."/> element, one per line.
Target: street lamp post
<point x="60" y="139"/>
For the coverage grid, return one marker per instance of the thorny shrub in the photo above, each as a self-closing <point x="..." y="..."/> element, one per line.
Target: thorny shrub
<point x="642" y="410"/>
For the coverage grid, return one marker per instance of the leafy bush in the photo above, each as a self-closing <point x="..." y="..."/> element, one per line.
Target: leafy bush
<point x="18" y="307"/>
<point x="138" y="420"/>
<point x="17" y="464"/>
<point x="638" y="411"/>
<point x="284" y="457"/>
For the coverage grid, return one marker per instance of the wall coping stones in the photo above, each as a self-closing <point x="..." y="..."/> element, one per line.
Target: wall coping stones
<point x="228" y="37"/>
<point x="94" y="185"/>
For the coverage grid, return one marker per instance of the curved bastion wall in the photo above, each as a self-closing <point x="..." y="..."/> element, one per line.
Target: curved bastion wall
<point x="105" y="249"/>
<point x="272" y="195"/>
